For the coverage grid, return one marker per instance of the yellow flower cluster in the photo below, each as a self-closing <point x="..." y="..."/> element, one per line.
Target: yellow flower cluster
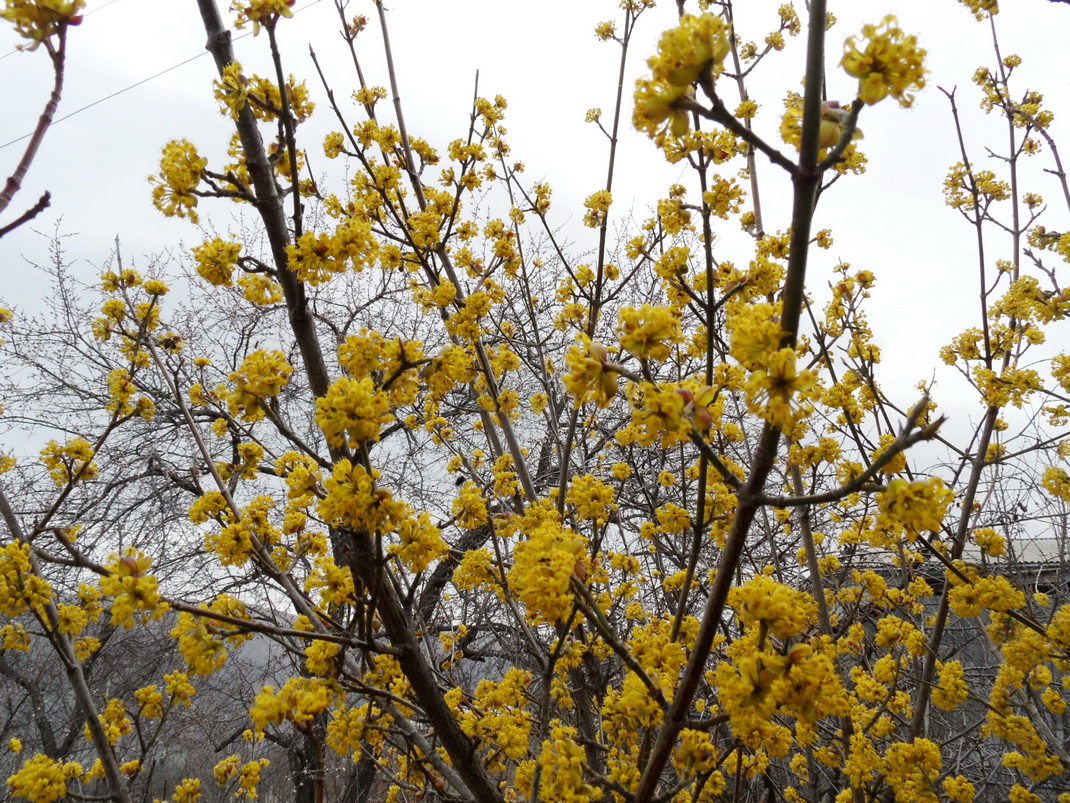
<point x="234" y="544"/>
<point x="298" y="701"/>
<point x="262" y="375"/>
<point x="649" y="331"/>
<point x="779" y="392"/>
<point x="122" y="389"/>
<point x="951" y="690"/>
<point x="333" y="582"/>
<point x="316" y="257"/>
<point x="203" y="642"/>
<point x="21" y="589"/>
<point x="914" y="506"/>
<point x="889" y="63"/>
<point x="684" y="53"/>
<point x="499" y="718"/>
<point x="452" y="366"/>
<point x="562" y="763"/>
<point x="43" y="780"/>
<point x="353" y="500"/>
<point x="420" y="542"/>
<point x="588" y="378"/>
<point x="37" y="20"/>
<point x="543" y="566"/>
<point x="352" y="412"/>
<point x="910" y="768"/>
<point x="591" y="498"/>
<point x="232" y="89"/>
<point x="181" y="171"/>
<point x="597" y="205"/>
<point x="661" y="414"/>
<point x="783" y="611"/>
<point x="135" y="595"/>
<point x="70" y="462"/>
<point x="260" y="12"/>
<point x="216" y="260"/>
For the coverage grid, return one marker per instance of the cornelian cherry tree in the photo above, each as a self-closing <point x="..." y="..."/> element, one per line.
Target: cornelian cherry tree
<point x="638" y="525"/>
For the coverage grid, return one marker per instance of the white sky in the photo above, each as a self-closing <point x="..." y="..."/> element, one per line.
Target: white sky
<point x="544" y="58"/>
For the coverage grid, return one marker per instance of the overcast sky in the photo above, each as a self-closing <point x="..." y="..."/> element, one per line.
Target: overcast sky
<point x="544" y="58"/>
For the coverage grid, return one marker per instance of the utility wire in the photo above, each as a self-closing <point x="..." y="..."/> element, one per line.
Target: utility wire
<point x="142" y="81"/>
<point x="108" y="97"/>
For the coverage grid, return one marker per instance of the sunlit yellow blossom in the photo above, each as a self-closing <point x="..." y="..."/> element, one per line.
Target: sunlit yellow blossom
<point x="421" y="542"/>
<point x="591" y="498"/>
<point x="779" y="392"/>
<point x="542" y="568"/>
<point x="69" y="462"/>
<point x="352" y="411"/>
<point x="43" y="780"/>
<point x="916" y="507"/>
<point x="648" y="332"/>
<point x="911" y="769"/>
<point x="298" y="701"/>
<point x="951" y="690"/>
<point x="181" y="170"/>
<point x="588" y="379"/>
<point x="686" y="50"/>
<point x="36" y="20"/>
<point x="888" y="63"/>
<point x="353" y="500"/>
<point x="231" y="89"/>
<point x="784" y="611"/>
<point x="135" y="595"/>
<point x="662" y="415"/>
<point x="216" y="260"/>
<point x="20" y="588"/>
<point x="260" y="12"/>
<point x="262" y="375"/>
<point x="661" y="108"/>
<point x="597" y="205"/>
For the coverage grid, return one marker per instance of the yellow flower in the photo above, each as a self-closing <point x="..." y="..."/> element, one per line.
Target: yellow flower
<point x="421" y="542"/>
<point x="263" y="374"/>
<point x="597" y="205"/>
<point x="36" y="20"/>
<point x="689" y="48"/>
<point x="917" y="506"/>
<point x="889" y="63"/>
<point x="70" y="462"/>
<point x="43" y="780"/>
<point x="181" y="170"/>
<point x="779" y="392"/>
<point x="591" y="498"/>
<point x="352" y="411"/>
<point x="663" y="413"/>
<point x="259" y="12"/>
<point x="588" y="379"/>
<point x="661" y="108"/>
<point x="216" y="260"/>
<point x="648" y="331"/>
<point x="232" y="89"/>
<point x="784" y="611"/>
<point x="951" y="690"/>
<point x="542" y="568"/>
<point x="20" y="588"/>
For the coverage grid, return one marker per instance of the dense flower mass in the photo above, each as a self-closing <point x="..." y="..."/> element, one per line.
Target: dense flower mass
<point x="443" y="482"/>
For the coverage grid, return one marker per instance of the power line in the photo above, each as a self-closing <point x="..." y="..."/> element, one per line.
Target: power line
<point x="139" y="83"/>
<point x="109" y="97"/>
